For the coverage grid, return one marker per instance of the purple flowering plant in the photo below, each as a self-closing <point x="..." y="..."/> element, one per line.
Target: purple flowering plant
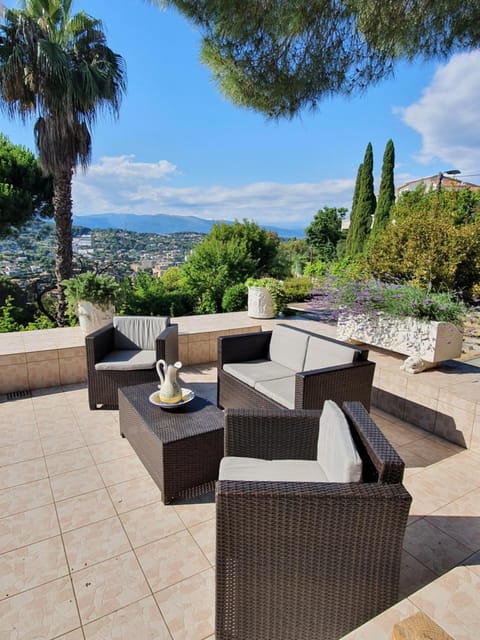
<point x="371" y="296"/>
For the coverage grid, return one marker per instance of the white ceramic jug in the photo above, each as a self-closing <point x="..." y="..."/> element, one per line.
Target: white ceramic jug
<point x="170" y="389"/>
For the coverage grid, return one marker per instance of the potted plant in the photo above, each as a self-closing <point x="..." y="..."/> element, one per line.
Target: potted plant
<point x="91" y="297"/>
<point x="401" y="317"/>
<point x="266" y="297"/>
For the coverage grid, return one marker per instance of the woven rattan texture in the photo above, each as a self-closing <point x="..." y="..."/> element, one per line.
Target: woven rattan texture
<point x="305" y="561"/>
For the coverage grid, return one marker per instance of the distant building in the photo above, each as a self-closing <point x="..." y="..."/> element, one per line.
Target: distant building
<point x="436" y="181"/>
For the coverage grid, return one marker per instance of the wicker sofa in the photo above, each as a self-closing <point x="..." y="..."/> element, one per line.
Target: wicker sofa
<point x="124" y="353"/>
<point x="290" y="368"/>
<point x="306" y="560"/>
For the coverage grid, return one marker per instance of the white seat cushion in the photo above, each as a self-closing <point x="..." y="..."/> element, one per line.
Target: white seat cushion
<point x="127" y="360"/>
<point x="337" y="453"/>
<point x="323" y="353"/>
<point x="281" y="390"/>
<point x="254" y="371"/>
<point x="235" y="468"/>
<point x="288" y="347"/>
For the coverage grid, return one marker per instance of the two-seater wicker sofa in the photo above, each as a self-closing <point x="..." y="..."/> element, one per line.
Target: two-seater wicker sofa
<point x="290" y="368"/>
<point x="306" y="560"/>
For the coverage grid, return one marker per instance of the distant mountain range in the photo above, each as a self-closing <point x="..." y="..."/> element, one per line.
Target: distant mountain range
<point x="163" y="223"/>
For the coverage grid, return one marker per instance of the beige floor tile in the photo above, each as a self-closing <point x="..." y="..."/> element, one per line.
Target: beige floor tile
<point x="25" y="497"/>
<point x="413" y="575"/>
<point x="431" y="491"/>
<point x="461" y="519"/>
<point x="121" y="470"/>
<point x="68" y="461"/>
<point x="77" y="634"/>
<point x="16" y="433"/>
<point x="20" y="452"/>
<point x="204" y="534"/>
<point x="151" y="522"/>
<point x="28" y="527"/>
<point x="65" y="442"/>
<point x="188" y="607"/>
<point x="111" y="450"/>
<point x="44" y="612"/>
<point x="96" y="434"/>
<point x="108" y="586"/>
<point x="13" y="475"/>
<point x="32" y="566"/>
<point x="434" y="548"/>
<point x="134" y="493"/>
<point x="141" y="620"/>
<point x="171" y="560"/>
<point x="380" y="627"/>
<point x="453" y="602"/>
<point x="95" y="543"/>
<point x="55" y="414"/>
<point x="192" y="514"/>
<point x="85" y="509"/>
<point x="74" y="483"/>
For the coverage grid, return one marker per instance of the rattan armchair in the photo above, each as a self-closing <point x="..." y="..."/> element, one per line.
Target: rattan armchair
<point x="299" y="560"/>
<point x="159" y="339"/>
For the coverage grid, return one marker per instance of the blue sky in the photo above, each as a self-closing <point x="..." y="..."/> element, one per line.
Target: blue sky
<point x="180" y="147"/>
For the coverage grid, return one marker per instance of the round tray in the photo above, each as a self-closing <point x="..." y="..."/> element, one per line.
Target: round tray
<point x="187" y="396"/>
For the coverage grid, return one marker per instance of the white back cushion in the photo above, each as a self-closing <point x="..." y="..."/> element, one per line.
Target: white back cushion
<point x="138" y="332"/>
<point x="337" y="453"/>
<point x="323" y="353"/>
<point x="288" y="347"/>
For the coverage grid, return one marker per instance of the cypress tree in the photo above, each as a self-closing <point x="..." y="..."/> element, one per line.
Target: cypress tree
<point x="386" y="195"/>
<point x="348" y="241"/>
<point x="365" y="206"/>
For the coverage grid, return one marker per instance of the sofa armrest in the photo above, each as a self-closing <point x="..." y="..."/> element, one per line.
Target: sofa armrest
<point x="343" y="382"/>
<point x="242" y="347"/>
<point x="271" y="434"/>
<point x="99" y="343"/>
<point x="166" y="344"/>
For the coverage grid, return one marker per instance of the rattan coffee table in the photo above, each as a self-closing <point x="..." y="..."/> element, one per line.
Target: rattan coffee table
<point x="181" y="448"/>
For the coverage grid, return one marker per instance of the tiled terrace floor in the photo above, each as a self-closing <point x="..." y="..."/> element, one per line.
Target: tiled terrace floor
<point x="88" y="551"/>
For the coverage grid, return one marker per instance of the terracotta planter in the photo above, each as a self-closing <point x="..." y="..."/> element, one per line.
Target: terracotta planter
<point x="260" y="303"/>
<point x="428" y="340"/>
<point x="92" y="317"/>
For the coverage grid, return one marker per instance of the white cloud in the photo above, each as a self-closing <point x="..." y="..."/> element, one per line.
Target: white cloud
<point x="121" y="185"/>
<point x="447" y="115"/>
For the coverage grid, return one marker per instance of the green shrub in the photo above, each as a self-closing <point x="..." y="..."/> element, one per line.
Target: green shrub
<point x="98" y="289"/>
<point x="235" y="298"/>
<point x="298" y="289"/>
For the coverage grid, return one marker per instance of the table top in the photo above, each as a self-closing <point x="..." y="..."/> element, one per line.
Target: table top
<point x="201" y="415"/>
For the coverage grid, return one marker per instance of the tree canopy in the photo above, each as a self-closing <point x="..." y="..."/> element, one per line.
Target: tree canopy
<point x="24" y="191"/>
<point x="279" y="56"/>
<point x="363" y="207"/>
<point x="56" y="67"/>
<point x="325" y="231"/>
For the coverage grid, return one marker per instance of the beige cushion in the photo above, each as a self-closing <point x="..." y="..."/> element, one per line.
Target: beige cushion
<point x="281" y="390"/>
<point x="254" y="371"/>
<point x="127" y="360"/>
<point x="138" y="332"/>
<point x="337" y="453"/>
<point x="323" y="353"/>
<point x="288" y="347"/>
<point x="235" y="468"/>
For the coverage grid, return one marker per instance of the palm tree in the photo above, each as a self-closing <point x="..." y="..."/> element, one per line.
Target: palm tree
<point x="57" y="68"/>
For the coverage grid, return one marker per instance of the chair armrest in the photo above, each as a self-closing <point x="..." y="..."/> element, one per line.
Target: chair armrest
<point x="242" y="347"/>
<point x="99" y="343"/>
<point x="166" y="344"/>
<point x="384" y="463"/>
<point x="271" y="434"/>
<point x="347" y="381"/>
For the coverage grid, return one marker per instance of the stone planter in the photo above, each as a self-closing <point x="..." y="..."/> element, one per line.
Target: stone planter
<point x="91" y="317"/>
<point x="426" y="342"/>
<point x="260" y="303"/>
